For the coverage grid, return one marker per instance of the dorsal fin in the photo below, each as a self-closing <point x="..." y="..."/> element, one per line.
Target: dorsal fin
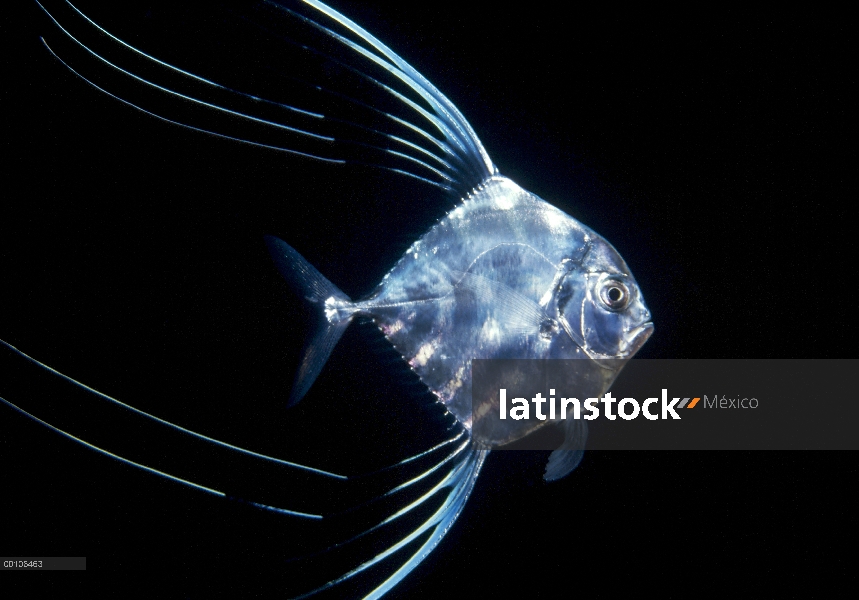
<point x="343" y="96"/>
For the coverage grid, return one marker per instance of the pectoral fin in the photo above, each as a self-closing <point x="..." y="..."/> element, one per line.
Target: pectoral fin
<point x="516" y="312"/>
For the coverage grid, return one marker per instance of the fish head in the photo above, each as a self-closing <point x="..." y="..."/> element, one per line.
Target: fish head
<point x="600" y="305"/>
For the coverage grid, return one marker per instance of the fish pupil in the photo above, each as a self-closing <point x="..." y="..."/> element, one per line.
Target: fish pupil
<point x="614" y="295"/>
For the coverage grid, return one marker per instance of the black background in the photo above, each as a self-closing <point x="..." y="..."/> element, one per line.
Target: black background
<point x="710" y="149"/>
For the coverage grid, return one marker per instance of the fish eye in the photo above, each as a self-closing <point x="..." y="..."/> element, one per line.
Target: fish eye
<point x="614" y="294"/>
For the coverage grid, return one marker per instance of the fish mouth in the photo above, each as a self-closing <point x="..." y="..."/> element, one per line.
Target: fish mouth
<point x="638" y="336"/>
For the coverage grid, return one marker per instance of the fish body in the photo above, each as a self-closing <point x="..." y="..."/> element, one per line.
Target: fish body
<point x="504" y="274"/>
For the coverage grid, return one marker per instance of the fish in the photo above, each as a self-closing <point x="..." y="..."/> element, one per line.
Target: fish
<point x="503" y="274"/>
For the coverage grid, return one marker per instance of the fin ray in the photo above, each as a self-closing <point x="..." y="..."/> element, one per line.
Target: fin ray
<point x="346" y="130"/>
<point x="160" y="421"/>
<point x="564" y="459"/>
<point x="517" y="312"/>
<point x="148" y="469"/>
<point x="461" y="482"/>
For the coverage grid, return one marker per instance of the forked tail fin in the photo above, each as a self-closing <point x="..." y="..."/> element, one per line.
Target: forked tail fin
<point x="335" y="311"/>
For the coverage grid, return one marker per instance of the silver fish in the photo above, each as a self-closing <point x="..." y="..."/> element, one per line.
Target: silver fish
<point x="502" y="275"/>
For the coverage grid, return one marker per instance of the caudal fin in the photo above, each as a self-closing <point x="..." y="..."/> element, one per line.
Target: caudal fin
<point x="335" y="311"/>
